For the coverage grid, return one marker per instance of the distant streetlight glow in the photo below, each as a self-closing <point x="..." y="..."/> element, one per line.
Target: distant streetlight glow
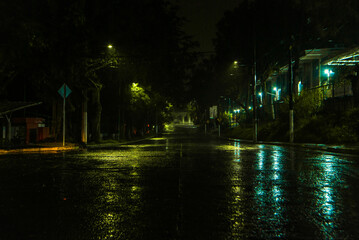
<point x="328" y="72"/>
<point x="277" y="93"/>
<point x="300" y="87"/>
<point x="109" y="46"/>
<point x="235" y="62"/>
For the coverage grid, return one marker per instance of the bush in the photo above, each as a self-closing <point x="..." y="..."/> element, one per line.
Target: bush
<point x="341" y="134"/>
<point x="242" y="132"/>
<point x="310" y="126"/>
<point x="312" y="129"/>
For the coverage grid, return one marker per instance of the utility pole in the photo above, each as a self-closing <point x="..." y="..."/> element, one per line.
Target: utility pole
<point x="63" y="116"/>
<point x="255" y="120"/>
<point x="291" y="104"/>
<point x="84" y="117"/>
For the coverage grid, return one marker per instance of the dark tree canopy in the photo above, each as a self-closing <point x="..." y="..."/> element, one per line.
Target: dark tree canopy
<point x="49" y="43"/>
<point x="53" y="39"/>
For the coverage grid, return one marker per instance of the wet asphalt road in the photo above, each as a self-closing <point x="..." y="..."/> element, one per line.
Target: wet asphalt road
<point x="180" y="186"/>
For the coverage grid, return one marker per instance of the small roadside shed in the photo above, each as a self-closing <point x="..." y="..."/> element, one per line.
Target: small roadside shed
<point x="6" y="110"/>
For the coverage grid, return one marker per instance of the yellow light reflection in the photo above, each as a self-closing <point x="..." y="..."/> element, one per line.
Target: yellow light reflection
<point x="237" y="216"/>
<point x="40" y="149"/>
<point x="136" y="192"/>
<point x="109" y="220"/>
<point x="158" y="138"/>
<point x="116" y="193"/>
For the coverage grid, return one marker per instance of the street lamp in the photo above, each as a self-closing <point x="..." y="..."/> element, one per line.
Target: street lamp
<point x="330" y="72"/>
<point x="109" y="46"/>
<point x="277" y="93"/>
<point x="235" y="64"/>
<point x="300" y="87"/>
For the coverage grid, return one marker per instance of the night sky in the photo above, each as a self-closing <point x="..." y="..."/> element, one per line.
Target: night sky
<point x="202" y="17"/>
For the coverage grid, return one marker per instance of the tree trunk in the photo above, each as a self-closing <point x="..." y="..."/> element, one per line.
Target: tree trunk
<point x="56" y="122"/>
<point x="97" y="114"/>
<point x="84" y="118"/>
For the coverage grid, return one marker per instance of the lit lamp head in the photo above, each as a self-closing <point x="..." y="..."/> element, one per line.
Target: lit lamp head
<point x="328" y="72"/>
<point x="235" y="64"/>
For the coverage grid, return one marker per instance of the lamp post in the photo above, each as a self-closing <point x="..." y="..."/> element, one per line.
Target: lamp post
<point x="291" y="102"/>
<point x="111" y="52"/>
<point x="277" y="93"/>
<point x="261" y="97"/>
<point x="329" y="72"/>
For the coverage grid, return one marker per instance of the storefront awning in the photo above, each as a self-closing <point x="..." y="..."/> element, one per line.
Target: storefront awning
<point x="9" y="107"/>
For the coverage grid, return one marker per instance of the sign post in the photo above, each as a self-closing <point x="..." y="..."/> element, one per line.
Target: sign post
<point x="64" y="91"/>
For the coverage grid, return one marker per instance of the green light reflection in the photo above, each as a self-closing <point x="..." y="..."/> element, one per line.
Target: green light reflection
<point x="328" y="177"/>
<point x="237" y="151"/>
<point x="260" y="158"/>
<point x="268" y="192"/>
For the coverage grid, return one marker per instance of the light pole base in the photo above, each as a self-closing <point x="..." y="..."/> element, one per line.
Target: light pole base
<point x="291" y="126"/>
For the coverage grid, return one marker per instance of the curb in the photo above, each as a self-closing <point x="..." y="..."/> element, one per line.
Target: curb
<point x="313" y="146"/>
<point x="39" y="150"/>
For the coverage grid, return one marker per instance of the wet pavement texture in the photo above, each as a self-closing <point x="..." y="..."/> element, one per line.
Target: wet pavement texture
<point x="180" y="186"/>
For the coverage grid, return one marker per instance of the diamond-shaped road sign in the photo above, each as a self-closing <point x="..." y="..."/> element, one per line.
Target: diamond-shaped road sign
<point x="62" y="91"/>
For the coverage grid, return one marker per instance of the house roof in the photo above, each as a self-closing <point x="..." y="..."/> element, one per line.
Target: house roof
<point x="9" y="107"/>
<point x="328" y="56"/>
<point x="347" y="58"/>
<point x="322" y="53"/>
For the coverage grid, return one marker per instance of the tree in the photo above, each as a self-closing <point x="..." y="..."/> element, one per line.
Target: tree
<point x="52" y="42"/>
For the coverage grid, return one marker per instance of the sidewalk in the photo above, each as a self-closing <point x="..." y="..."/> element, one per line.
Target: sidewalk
<point x="335" y="148"/>
<point x="57" y="146"/>
<point x="43" y="147"/>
